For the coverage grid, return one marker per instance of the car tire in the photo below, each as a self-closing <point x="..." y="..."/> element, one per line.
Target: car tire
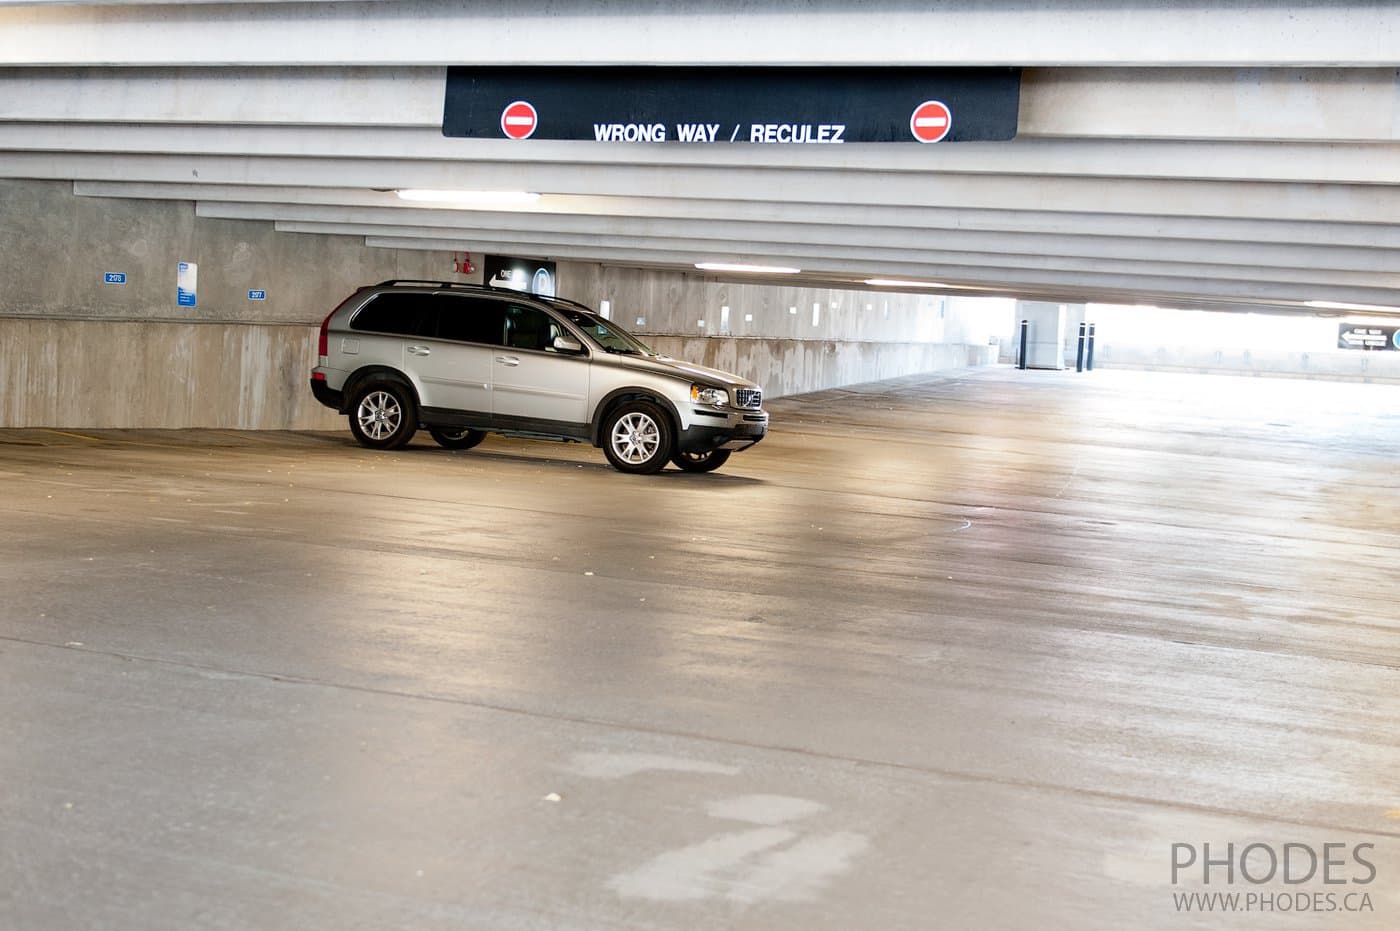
<point x="701" y="462"/>
<point x="637" y="438"/>
<point x="383" y="415"/>
<point x="456" y="437"/>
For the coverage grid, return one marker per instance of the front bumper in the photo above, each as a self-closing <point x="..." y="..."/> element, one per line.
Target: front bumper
<point x="710" y="430"/>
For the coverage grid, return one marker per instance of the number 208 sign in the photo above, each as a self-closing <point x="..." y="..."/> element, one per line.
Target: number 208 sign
<point x="767" y="106"/>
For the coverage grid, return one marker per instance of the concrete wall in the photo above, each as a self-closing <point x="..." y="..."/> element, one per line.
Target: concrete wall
<point x="77" y="352"/>
<point x="100" y="373"/>
<point x="792" y="366"/>
<point x="1333" y="365"/>
<point x="1293" y="346"/>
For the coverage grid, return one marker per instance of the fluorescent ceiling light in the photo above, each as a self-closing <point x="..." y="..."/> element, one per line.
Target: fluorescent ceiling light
<point x="750" y="269"/>
<point x="1342" y="305"/>
<point x="901" y="283"/>
<point x="469" y="198"/>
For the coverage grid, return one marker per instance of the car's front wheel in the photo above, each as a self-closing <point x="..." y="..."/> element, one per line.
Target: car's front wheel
<point x="637" y="438"/>
<point x="456" y="437"/>
<point x="383" y="416"/>
<point x="701" y="462"/>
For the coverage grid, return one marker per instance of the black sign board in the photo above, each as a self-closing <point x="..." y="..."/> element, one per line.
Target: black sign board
<point x="1355" y="336"/>
<point x="533" y="275"/>
<point x="771" y="105"/>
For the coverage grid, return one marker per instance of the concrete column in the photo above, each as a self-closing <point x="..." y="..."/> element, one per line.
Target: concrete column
<point x="1046" y="349"/>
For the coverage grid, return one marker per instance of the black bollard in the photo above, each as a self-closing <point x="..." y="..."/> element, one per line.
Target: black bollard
<point x="1025" y="335"/>
<point x="1079" y="357"/>
<point x="1090" y="362"/>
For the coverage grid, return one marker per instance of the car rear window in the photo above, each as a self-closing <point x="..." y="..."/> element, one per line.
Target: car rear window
<point x="398" y="313"/>
<point x="434" y="316"/>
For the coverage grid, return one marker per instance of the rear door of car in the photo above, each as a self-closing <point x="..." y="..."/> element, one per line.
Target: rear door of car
<point x="452" y="360"/>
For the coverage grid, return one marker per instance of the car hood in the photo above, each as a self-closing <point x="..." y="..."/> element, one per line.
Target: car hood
<point x="664" y="365"/>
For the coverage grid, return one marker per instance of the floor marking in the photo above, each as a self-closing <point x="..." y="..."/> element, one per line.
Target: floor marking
<point x="112" y="439"/>
<point x="622" y="765"/>
<point x="694" y="872"/>
<point x="797" y="873"/>
<point x="768" y="864"/>
<point x="763" y="809"/>
<point x="76" y="436"/>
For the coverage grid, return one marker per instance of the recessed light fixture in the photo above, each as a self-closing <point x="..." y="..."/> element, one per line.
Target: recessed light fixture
<point x="901" y="283"/>
<point x="469" y="198"/>
<point x="747" y="269"/>
<point x="1342" y="305"/>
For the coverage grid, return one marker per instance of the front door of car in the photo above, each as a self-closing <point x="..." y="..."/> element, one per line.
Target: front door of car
<point x="534" y="386"/>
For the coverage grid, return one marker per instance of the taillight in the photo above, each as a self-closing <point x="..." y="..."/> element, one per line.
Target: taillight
<point x="323" y="345"/>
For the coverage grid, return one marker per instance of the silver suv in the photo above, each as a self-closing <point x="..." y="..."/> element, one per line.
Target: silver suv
<point x="465" y="360"/>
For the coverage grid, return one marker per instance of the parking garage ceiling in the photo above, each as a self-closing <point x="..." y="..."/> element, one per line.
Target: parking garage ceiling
<point x="1177" y="153"/>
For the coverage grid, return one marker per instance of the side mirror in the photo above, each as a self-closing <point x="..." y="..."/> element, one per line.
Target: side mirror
<point x="564" y="344"/>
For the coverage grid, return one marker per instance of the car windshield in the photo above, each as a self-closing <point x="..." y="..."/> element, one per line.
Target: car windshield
<point x="608" y="335"/>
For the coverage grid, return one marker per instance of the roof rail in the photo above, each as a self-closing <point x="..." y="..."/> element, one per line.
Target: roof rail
<point x="435" y="284"/>
<point x="468" y="286"/>
<point x="565" y="300"/>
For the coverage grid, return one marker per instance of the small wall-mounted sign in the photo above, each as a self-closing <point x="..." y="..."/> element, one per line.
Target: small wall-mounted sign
<point x="534" y="276"/>
<point x="1354" y="336"/>
<point x="257" y="295"/>
<point x="187" y="284"/>
<point x="114" y="278"/>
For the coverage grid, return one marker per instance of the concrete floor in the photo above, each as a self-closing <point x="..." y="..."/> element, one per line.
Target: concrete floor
<point x="942" y="653"/>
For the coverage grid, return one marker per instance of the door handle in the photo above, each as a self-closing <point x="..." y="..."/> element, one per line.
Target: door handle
<point x="419" y="351"/>
<point x="508" y="360"/>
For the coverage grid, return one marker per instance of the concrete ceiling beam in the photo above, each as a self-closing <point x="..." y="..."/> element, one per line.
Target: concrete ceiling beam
<point x="1185" y="104"/>
<point x="1332" y="33"/>
<point x="1335" y="203"/>
<point x="1285" y="263"/>
<point x="969" y="262"/>
<point x="617" y="214"/>
<point x="1088" y="283"/>
<point x="1374" y="163"/>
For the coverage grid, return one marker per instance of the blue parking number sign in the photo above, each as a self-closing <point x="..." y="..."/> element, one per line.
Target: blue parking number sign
<point x="187" y="284"/>
<point x="114" y="278"/>
<point x="258" y="295"/>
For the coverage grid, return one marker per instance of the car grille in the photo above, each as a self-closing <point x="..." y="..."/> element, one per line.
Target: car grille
<point x="751" y="398"/>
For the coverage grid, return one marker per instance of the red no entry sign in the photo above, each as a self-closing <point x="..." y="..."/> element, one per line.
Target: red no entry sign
<point x="518" y="120"/>
<point x="931" y="121"/>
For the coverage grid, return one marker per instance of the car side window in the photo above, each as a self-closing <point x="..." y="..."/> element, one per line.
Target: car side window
<point x="402" y="314"/>
<point x="470" y="319"/>
<point x="530" y="328"/>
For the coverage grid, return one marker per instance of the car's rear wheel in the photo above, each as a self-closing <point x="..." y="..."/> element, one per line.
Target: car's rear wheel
<point x="637" y="438"/>
<point x="456" y="437"/>
<point x="383" y="416"/>
<point x="701" y="462"/>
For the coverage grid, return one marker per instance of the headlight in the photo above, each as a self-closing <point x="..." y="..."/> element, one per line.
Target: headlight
<point x="715" y="397"/>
